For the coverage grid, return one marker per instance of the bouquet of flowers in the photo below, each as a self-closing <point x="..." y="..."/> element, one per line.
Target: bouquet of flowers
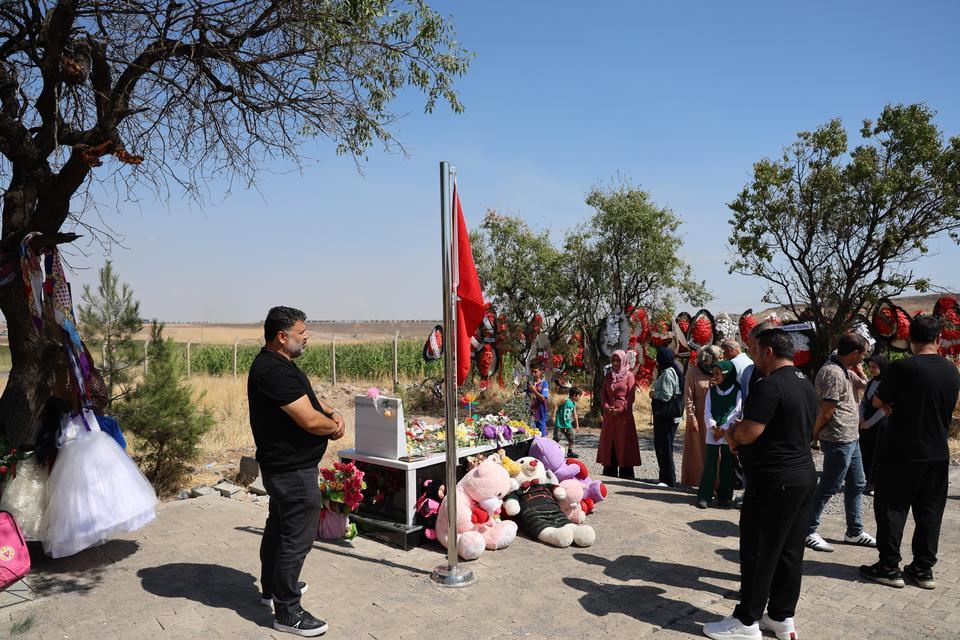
<point x="9" y="457"/>
<point x="341" y="492"/>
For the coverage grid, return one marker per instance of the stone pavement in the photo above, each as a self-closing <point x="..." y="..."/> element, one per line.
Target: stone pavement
<point x="660" y="568"/>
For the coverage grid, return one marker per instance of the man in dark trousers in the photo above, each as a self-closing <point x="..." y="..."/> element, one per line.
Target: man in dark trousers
<point x="773" y="441"/>
<point x="291" y="429"/>
<point x="919" y="394"/>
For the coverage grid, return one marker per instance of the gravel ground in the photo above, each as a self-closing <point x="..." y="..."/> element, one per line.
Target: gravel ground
<point x="588" y="439"/>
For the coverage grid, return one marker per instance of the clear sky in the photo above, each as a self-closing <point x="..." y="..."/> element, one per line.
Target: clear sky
<point x="679" y="97"/>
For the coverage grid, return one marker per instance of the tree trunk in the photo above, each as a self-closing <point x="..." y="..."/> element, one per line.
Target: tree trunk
<point x="595" y="416"/>
<point x="34" y="356"/>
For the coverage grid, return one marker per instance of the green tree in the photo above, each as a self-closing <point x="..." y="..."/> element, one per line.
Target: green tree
<point x="626" y="254"/>
<point x="518" y="268"/>
<point x="162" y="412"/>
<point x="177" y="92"/>
<point x="109" y="318"/>
<point x="832" y="232"/>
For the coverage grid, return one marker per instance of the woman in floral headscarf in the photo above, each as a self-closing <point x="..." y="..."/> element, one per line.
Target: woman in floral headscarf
<point x="619" y="450"/>
<point x="695" y="394"/>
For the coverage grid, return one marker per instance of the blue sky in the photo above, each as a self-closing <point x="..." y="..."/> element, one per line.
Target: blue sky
<point x="679" y="97"/>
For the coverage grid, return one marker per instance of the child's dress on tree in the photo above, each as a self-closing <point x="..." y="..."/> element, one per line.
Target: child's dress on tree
<point x="94" y="492"/>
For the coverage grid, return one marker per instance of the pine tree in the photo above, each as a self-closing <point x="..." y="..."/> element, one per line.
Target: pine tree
<point x="163" y="414"/>
<point x="109" y="319"/>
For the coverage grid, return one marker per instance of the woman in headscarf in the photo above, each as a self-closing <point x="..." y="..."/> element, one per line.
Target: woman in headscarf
<point x="619" y="450"/>
<point x="667" y="404"/>
<point x="695" y="393"/>
<point x="873" y="422"/>
<point x="721" y="409"/>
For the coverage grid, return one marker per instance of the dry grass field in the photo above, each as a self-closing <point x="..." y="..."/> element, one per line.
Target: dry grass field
<point x="200" y="333"/>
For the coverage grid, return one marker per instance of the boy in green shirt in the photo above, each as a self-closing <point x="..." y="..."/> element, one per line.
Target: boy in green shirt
<point x="566" y="420"/>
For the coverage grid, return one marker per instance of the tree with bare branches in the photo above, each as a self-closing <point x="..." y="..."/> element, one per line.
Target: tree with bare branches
<point x="160" y="95"/>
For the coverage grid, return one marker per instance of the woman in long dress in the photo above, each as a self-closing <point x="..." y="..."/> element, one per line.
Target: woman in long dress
<point x="619" y="450"/>
<point x="696" y="386"/>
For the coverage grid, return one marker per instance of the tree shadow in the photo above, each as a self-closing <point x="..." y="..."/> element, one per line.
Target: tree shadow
<point x="671" y="574"/>
<point x="79" y="573"/>
<point x="209" y="584"/>
<point x="643" y="603"/>
<point x="834" y="570"/>
<point x="327" y="546"/>
<point x="717" y="528"/>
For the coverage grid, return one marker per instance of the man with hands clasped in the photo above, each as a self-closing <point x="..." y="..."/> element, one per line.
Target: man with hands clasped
<point x="291" y="428"/>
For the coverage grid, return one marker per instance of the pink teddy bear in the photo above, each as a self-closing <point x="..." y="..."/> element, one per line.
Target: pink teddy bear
<point x="480" y="496"/>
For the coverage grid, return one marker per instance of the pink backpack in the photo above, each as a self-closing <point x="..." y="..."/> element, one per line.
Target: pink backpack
<point x="14" y="558"/>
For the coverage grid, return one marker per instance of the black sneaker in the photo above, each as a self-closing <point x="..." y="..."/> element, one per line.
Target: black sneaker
<point x="300" y="623"/>
<point x="884" y="575"/>
<point x="921" y="578"/>
<point x="267" y="600"/>
<point x="702" y="504"/>
<point x="572" y="454"/>
<point x="725" y="504"/>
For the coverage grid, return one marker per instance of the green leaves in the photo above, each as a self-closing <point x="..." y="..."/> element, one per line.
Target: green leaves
<point x="625" y="254"/>
<point x="109" y="318"/>
<point x="833" y="232"/>
<point x="369" y="50"/>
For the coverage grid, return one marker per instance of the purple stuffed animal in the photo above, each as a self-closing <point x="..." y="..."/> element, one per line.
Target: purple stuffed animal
<point x="551" y="454"/>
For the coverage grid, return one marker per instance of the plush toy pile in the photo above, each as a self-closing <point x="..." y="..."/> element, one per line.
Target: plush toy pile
<point x="544" y="495"/>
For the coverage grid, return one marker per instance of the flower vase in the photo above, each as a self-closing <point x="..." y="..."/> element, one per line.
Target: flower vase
<point x="334" y="525"/>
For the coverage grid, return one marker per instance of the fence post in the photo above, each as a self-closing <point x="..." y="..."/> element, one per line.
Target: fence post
<point x="188" y="358"/>
<point x="103" y="355"/>
<point x="236" y="341"/>
<point x="146" y="345"/>
<point x="396" y="382"/>
<point x="333" y="359"/>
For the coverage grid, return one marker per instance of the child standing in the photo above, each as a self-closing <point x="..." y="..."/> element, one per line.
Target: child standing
<point x="566" y="420"/>
<point x="539" y="390"/>
<point x="721" y="409"/>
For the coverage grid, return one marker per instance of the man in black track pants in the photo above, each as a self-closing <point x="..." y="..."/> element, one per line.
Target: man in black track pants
<point x="773" y="441"/>
<point x="291" y="428"/>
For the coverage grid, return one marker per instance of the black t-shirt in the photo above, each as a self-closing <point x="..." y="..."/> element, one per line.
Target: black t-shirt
<point x="786" y="402"/>
<point x="282" y="445"/>
<point x="923" y="391"/>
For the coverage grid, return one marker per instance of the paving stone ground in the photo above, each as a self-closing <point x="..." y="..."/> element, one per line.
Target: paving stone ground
<point x="660" y="568"/>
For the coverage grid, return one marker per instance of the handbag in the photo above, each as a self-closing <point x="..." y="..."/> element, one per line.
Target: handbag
<point x="14" y="557"/>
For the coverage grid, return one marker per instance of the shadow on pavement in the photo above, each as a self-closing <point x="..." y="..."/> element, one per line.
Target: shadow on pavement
<point x="642" y="603"/>
<point x="666" y="495"/>
<point x="671" y="574"/>
<point x="327" y="546"/>
<point x="717" y="528"/>
<point x="211" y="585"/>
<point x="850" y="573"/>
<point x="79" y="573"/>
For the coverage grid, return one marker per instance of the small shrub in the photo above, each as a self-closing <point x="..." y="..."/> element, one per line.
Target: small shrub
<point x="161" y="413"/>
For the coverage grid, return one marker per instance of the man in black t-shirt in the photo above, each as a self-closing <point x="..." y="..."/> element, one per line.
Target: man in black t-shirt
<point x="291" y="428"/>
<point x="919" y="394"/>
<point x="773" y="442"/>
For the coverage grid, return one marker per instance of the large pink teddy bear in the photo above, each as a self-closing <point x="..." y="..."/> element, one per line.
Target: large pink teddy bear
<point x="480" y="496"/>
<point x="551" y="454"/>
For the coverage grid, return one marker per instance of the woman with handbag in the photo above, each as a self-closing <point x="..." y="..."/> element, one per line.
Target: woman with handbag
<point x="667" y="403"/>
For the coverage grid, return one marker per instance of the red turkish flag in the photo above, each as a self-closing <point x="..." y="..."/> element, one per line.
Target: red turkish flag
<point x="470" y="309"/>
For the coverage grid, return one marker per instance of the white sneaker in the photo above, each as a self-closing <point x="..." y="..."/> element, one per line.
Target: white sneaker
<point x="816" y="542"/>
<point x="732" y="629"/>
<point x="785" y="630"/>
<point x="863" y="540"/>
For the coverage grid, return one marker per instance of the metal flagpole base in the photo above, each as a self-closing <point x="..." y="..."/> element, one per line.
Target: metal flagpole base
<point x="453" y="576"/>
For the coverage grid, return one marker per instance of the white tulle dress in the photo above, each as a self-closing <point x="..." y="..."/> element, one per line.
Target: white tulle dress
<point x="94" y="492"/>
<point x="25" y="497"/>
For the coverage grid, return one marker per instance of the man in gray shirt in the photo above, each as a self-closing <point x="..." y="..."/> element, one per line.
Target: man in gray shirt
<point x="838" y="429"/>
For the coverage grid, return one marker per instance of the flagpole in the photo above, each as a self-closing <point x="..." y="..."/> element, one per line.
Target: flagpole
<point x="451" y="574"/>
